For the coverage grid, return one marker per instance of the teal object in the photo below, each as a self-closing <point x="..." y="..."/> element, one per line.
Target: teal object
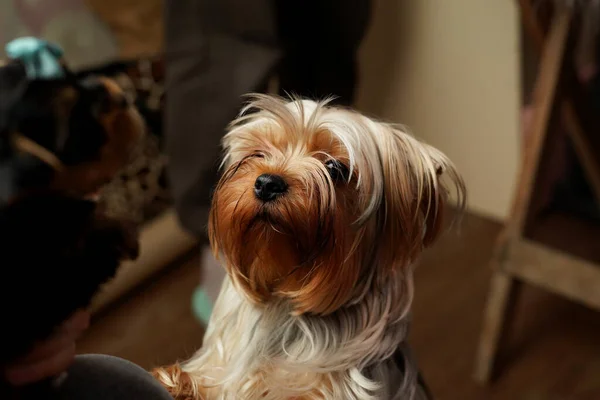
<point x="40" y="57"/>
<point x="202" y="305"/>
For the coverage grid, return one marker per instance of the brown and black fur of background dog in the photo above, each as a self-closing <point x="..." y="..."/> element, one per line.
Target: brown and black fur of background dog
<point x="60" y="140"/>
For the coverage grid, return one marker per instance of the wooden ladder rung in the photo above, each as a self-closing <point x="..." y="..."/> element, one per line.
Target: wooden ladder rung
<point x="572" y="277"/>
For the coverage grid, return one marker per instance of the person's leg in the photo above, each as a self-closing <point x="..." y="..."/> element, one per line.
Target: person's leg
<point x="320" y="40"/>
<point x="102" y="377"/>
<point x="208" y="69"/>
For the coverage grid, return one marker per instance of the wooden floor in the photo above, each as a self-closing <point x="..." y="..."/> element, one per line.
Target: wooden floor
<point x="553" y="354"/>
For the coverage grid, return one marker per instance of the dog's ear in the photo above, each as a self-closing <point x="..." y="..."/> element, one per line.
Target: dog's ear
<point x="433" y="206"/>
<point x="414" y="194"/>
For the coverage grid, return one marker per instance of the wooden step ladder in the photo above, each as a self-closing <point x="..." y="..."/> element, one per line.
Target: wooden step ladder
<point x="518" y="257"/>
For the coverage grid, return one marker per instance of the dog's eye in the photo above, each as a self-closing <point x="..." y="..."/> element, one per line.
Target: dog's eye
<point x="337" y="170"/>
<point x="257" y="155"/>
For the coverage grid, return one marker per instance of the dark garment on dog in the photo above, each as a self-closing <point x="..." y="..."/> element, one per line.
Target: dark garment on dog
<point x="403" y="380"/>
<point x="400" y="360"/>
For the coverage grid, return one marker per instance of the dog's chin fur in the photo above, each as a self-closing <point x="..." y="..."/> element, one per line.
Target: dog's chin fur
<point x="319" y="283"/>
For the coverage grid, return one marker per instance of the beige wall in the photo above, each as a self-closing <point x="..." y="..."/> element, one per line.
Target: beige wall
<point x="449" y="70"/>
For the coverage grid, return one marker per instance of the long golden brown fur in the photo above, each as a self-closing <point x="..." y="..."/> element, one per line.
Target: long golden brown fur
<point x="319" y="287"/>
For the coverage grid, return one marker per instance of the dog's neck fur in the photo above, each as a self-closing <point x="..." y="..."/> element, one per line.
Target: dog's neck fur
<point x="252" y="352"/>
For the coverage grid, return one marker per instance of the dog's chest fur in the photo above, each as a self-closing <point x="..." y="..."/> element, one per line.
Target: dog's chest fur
<point x="257" y="353"/>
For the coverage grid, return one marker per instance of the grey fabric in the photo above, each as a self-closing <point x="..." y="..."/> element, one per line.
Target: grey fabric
<point x="102" y="377"/>
<point x="215" y="53"/>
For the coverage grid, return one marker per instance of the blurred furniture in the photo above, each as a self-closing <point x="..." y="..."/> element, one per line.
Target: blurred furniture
<point x="141" y="192"/>
<point x="554" y="250"/>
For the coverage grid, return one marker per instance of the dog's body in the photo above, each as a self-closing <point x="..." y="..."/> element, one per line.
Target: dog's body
<point x="319" y="218"/>
<point x="245" y="347"/>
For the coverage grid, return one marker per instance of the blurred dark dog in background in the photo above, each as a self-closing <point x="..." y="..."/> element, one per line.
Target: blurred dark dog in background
<point x="60" y="140"/>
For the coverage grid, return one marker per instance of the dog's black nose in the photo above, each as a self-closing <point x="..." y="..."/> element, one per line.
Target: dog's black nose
<point x="268" y="187"/>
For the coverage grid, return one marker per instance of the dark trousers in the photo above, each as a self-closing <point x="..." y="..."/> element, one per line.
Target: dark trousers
<point x="319" y="42"/>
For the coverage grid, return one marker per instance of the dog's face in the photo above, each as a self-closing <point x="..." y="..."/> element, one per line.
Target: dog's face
<point x="318" y="205"/>
<point x="83" y="132"/>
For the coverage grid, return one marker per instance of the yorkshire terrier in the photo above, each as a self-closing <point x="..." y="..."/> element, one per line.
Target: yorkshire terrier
<point x="318" y="218"/>
<point x="61" y="140"/>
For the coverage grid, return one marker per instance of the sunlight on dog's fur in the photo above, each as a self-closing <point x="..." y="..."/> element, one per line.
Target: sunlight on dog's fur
<point x="318" y="219"/>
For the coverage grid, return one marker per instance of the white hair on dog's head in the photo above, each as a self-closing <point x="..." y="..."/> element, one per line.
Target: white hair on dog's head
<point x="320" y="274"/>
